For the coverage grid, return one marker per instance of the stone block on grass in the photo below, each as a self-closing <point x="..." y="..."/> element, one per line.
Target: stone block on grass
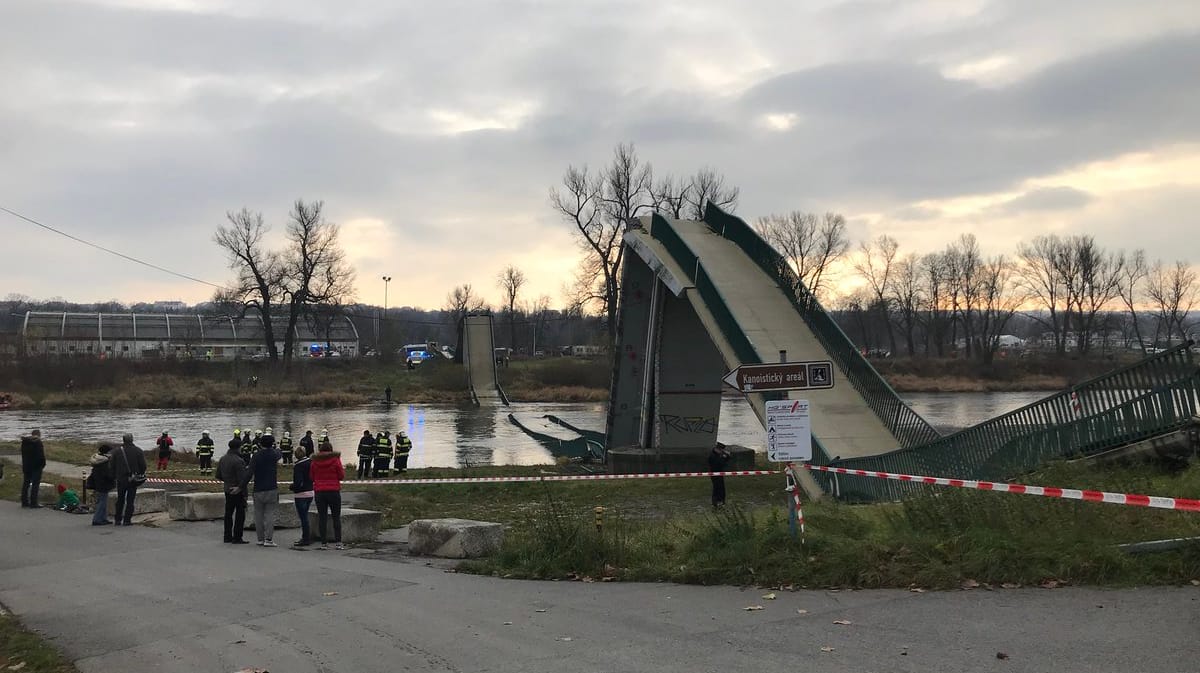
<point x="195" y="506"/>
<point x="358" y="525"/>
<point x="454" y="538"/>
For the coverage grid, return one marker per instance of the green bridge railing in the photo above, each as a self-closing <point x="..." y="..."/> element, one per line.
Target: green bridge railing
<point x="905" y="424"/>
<point x="1154" y="396"/>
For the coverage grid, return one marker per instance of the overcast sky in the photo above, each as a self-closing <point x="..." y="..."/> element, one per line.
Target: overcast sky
<point x="433" y="130"/>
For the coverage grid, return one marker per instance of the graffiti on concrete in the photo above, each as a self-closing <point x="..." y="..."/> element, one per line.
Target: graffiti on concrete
<point x="688" y="424"/>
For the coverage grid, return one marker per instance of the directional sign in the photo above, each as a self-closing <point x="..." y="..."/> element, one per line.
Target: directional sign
<point x="789" y="431"/>
<point x="782" y="376"/>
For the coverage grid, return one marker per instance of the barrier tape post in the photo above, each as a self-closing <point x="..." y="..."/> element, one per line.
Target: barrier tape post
<point x="795" y="512"/>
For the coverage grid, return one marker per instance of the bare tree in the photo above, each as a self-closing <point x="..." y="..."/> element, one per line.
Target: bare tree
<point x="875" y="264"/>
<point x="907" y="296"/>
<point x="936" y="291"/>
<point x="810" y="243"/>
<point x="510" y="281"/>
<point x="669" y="196"/>
<point x="997" y="303"/>
<point x="600" y="207"/>
<point x="259" y="271"/>
<point x="316" y="271"/>
<point x="1131" y="289"/>
<point x="1044" y="270"/>
<point x="1173" y="290"/>
<point x="965" y="263"/>
<point x="459" y="302"/>
<point x="539" y="315"/>
<point x="1098" y="284"/>
<point x="705" y="187"/>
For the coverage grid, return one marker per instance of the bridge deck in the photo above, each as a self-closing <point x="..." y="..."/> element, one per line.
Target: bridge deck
<point x="841" y="418"/>
<point x="480" y="358"/>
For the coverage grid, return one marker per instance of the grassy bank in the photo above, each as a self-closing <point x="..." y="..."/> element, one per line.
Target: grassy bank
<point x="351" y="382"/>
<point x="24" y="651"/>
<point x="665" y="531"/>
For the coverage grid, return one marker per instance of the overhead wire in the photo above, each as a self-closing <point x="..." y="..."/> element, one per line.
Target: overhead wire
<point x="185" y="276"/>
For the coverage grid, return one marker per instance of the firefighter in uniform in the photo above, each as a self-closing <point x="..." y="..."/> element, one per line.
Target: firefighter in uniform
<point x="285" y="447"/>
<point x="204" y="452"/>
<point x="403" y="448"/>
<point x="366" y="452"/>
<point x="383" y="454"/>
<point x="247" y="445"/>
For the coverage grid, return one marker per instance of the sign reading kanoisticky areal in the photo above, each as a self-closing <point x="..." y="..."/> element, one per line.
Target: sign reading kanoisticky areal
<point x="782" y="376"/>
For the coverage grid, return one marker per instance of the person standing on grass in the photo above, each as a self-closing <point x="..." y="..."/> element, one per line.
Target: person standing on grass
<point x="366" y="454"/>
<point x="387" y="393"/>
<point x="266" y="488"/>
<point x="403" y="448"/>
<point x="306" y="443"/>
<point x="285" y="448"/>
<point x="302" y="487"/>
<point x="383" y="454"/>
<point x="232" y="470"/>
<point x="327" y="475"/>
<point x="718" y="460"/>
<point x="33" y="461"/>
<point x="101" y="482"/>
<point x="204" y="452"/>
<point x="129" y="471"/>
<point x="164" y="449"/>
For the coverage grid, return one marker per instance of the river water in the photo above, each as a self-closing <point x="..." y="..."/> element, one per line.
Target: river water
<point x="443" y="435"/>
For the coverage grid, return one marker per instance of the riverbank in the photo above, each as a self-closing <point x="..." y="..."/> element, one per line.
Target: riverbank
<point x="665" y="530"/>
<point x="347" y="383"/>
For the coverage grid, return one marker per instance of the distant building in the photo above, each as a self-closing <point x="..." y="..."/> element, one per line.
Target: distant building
<point x="157" y="335"/>
<point x="172" y="306"/>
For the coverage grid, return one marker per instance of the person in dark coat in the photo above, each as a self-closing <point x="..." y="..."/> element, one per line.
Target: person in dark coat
<point x="232" y="470"/>
<point x="366" y="454"/>
<point x="718" y="460"/>
<point x="306" y="443"/>
<point x="33" y="461"/>
<point x="302" y="489"/>
<point x="128" y="461"/>
<point x="101" y="482"/>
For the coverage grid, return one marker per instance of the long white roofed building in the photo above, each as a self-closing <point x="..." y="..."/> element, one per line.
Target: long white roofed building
<point x="162" y="335"/>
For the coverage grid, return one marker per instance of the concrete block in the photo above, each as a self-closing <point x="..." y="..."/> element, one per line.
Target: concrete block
<point x="454" y="538"/>
<point x="285" y="514"/>
<point x="358" y="525"/>
<point x="147" y="500"/>
<point x="195" y="506"/>
<point x="48" y="494"/>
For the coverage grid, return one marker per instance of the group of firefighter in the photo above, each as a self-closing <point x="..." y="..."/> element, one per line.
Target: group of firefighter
<point x="376" y="454"/>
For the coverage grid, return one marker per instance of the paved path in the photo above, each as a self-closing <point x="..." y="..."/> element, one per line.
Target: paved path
<point x="174" y="600"/>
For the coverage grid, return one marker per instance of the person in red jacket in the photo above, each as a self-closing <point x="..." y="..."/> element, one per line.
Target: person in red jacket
<point x="327" y="474"/>
<point x="164" y="449"/>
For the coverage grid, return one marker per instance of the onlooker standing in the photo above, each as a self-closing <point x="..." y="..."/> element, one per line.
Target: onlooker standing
<point x="327" y="475"/>
<point x="387" y="393"/>
<point x="129" y="471"/>
<point x="718" y="460"/>
<point x="101" y="482"/>
<point x="266" y="488"/>
<point x="33" y="461"/>
<point x="164" y="450"/>
<point x="306" y="443"/>
<point x="302" y="487"/>
<point x="232" y="470"/>
<point x="366" y="454"/>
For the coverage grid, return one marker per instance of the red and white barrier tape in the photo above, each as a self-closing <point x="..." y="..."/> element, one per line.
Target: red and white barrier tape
<point x="509" y="480"/>
<point x="1132" y="499"/>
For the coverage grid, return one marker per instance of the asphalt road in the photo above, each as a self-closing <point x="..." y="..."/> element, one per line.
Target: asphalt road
<point x="175" y="599"/>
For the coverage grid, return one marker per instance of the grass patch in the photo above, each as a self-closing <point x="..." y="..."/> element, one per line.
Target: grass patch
<point x="937" y="540"/>
<point x="23" y="650"/>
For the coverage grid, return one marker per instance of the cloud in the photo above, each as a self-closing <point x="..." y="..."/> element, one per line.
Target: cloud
<point x="1046" y="198"/>
<point x="434" y="130"/>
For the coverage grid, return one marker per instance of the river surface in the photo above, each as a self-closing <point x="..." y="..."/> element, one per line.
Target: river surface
<point x="444" y="435"/>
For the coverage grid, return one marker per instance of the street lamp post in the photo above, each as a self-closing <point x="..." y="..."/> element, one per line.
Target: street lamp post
<point x="378" y="345"/>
